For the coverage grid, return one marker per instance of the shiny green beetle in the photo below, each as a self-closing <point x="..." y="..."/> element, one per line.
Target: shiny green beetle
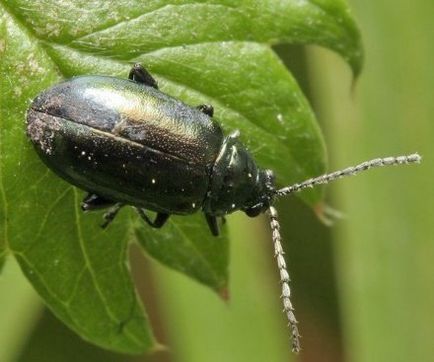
<point x="127" y="143"/>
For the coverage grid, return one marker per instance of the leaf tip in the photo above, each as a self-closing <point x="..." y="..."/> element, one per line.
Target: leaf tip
<point x="326" y="214"/>
<point x="158" y="348"/>
<point x="357" y="68"/>
<point x="224" y="293"/>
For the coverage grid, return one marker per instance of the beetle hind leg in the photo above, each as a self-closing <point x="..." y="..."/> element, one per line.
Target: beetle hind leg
<point x="140" y="75"/>
<point x="159" y="220"/>
<point x="111" y="214"/>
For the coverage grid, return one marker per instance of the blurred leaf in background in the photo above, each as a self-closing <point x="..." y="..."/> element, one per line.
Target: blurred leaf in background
<point x="385" y="246"/>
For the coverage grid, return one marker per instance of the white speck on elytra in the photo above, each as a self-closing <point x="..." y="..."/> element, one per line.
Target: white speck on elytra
<point x="153" y="181"/>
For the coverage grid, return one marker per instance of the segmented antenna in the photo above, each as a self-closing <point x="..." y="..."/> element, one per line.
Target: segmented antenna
<point x="288" y="309"/>
<point x="275" y="226"/>
<point x="325" y="179"/>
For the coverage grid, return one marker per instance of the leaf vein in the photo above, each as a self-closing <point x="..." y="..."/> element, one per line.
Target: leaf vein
<point x="93" y="275"/>
<point x="151" y="12"/>
<point x="49" y="291"/>
<point x="44" y="221"/>
<point x="50" y="209"/>
<point x="75" y="287"/>
<point x="34" y="271"/>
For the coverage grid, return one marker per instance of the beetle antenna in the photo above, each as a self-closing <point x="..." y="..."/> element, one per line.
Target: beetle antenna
<point x="352" y="170"/>
<point x="288" y="309"/>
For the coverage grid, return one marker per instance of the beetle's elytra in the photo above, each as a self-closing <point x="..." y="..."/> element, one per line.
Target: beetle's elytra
<point x="126" y="143"/>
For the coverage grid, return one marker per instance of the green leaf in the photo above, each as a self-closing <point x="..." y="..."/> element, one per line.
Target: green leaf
<point x="79" y="269"/>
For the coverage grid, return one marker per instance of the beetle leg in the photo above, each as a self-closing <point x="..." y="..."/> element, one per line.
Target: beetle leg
<point x="207" y="109"/>
<point x="213" y="224"/>
<point x="111" y="214"/>
<point x="94" y="202"/>
<point x="139" y="74"/>
<point x="159" y="221"/>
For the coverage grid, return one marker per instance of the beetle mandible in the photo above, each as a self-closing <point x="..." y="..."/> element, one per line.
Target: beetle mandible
<point x="126" y="143"/>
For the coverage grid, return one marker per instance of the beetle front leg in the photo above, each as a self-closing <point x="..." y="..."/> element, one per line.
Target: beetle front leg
<point x="159" y="221"/>
<point x="213" y="224"/>
<point x="139" y="74"/>
<point x="111" y="214"/>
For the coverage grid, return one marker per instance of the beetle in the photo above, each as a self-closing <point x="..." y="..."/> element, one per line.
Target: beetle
<point x="127" y="143"/>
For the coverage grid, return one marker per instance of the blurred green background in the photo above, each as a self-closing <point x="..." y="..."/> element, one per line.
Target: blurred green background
<point x="364" y="289"/>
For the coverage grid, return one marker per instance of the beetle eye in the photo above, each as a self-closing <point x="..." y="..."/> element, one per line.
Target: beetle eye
<point x="253" y="211"/>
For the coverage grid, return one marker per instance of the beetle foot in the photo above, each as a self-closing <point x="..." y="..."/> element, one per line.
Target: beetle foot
<point x="111" y="214"/>
<point x="139" y="74"/>
<point x="207" y="109"/>
<point x="94" y="202"/>
<point x="159" y="221"/>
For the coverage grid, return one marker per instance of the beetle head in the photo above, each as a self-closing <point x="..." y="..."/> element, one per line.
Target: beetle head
<point x="237" y="183"/>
